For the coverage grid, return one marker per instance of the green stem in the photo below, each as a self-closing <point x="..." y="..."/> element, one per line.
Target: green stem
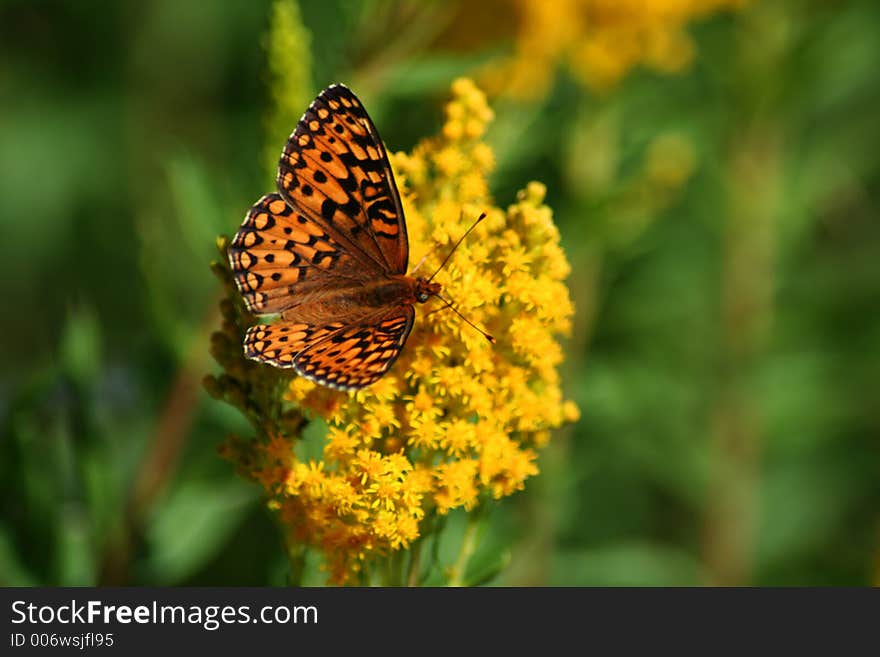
<point x="296" y="555"/>
<point x="468" y="545"/>
<point x="412" y="573"/>
<point x="434" y="530"/>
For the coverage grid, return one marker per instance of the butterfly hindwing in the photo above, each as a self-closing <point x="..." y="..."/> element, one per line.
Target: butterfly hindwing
<point x="358" y="355"/>
<point x="279" y="255"/>
<point x="335" y="169"/>
<point x="279" y="343"/>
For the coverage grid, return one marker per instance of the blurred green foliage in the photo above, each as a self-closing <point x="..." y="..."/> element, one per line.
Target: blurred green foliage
<point x="722" y="226"/>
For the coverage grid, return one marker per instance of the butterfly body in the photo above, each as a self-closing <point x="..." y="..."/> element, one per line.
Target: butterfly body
<point x="360" y="300"/>
<point x="329" y="253"/>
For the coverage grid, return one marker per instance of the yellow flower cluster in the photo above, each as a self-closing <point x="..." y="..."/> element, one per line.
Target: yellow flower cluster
<point x="601" y="40"/>
<point x="456" y="418"/>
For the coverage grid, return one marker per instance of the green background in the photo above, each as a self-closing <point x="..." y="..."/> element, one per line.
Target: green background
<point x="726" y="349"/>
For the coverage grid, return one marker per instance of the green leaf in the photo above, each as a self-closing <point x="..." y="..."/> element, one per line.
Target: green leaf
<point x="192" y="525"/>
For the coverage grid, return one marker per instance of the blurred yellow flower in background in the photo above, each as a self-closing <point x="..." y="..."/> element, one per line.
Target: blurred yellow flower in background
<point x="599" y="40"/>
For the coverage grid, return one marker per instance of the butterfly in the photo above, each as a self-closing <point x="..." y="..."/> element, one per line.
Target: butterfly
<point x="329" y="253"/>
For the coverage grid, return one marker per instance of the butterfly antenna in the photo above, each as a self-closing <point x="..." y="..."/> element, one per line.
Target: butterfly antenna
<point x="467" y="321"/>
<point x="460" y="240"/>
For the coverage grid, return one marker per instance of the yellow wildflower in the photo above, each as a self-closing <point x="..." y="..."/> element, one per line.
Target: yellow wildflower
<point x="341" y="444"/>
<point x="457" y="419"/>
<point x="456" y="484"/>
<point x="599" y="40"/>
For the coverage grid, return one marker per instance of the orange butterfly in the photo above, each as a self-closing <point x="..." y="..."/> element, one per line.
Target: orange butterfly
<point x="329" y="253"/>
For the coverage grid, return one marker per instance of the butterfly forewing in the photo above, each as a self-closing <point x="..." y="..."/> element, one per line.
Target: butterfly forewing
<point x="279" y="255"/>
<point x="335" y="167"/>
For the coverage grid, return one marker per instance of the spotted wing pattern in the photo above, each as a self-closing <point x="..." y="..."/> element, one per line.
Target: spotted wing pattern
<point x="279" y="343"/>
<point x="335" y="170"/>
<point x="337" y="222"/>
<point x="279" y="255"/>
<point x="356" y="356"/>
